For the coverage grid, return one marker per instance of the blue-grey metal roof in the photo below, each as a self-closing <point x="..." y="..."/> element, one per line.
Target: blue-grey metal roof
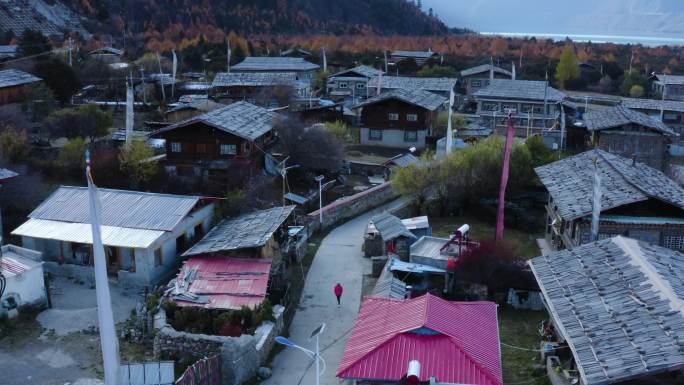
<point x="387" y="285"/>
<point x="569" y="181"/>
<point x="120" y="208"/>
<point x="243" y="232"/>
<point x="613" y="117"/>
<point x="362" y="70"/>
<point x="254" y="79"/>
<point x="390" y="227"/>
<point x="269" y="63"/>
<point x="653" y="104"/>
<point x="13" y="77"/>
<point x="403" y="160"/>
<point x="413" y="83"/>
<point x="415" y="54"/>
<point x="619" y="304"/>
<point x="425" y="99"/>
<point x="6" y="174"/>
<point x="520" y="89"/>
<point x="484" y="68"/>
<point x="670" y="79"/>
<point x="242" y="119"/>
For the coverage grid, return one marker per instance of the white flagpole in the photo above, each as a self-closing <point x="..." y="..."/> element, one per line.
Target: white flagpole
<point x="108" y="340"/>
<point x="385" y="61"/>
<point x="379" y="88"/>
<point x="513" y="74"/>
<point x="325" y="61"/>
<point x="596" y="200"/>
<point x="174" y="68"/>
<point x="129" y="113"/>
<point x="450" y="134"/>
<point x="229" y="54"/>
<point x="161" y="76"/>
<point x="491" y="68"/>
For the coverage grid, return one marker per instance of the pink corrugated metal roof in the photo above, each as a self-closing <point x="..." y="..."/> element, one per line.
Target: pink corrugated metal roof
<point x="228" y="283"/>
<point x="11" y="266"/>
<point x="457" y="342"/>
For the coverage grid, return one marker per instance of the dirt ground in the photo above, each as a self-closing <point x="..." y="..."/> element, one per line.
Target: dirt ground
<point x="59" y="345"/>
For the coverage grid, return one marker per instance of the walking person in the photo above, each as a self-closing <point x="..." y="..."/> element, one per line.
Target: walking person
<point x="338" y="293"/>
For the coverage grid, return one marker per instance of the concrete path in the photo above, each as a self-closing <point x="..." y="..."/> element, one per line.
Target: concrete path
<point x="339" y="259"/>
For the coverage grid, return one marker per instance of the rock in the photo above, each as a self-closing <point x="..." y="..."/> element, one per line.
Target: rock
<point x="264" y="372"/>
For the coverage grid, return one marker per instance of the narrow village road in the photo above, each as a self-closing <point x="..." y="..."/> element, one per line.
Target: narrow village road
<point x="339" y="259"/>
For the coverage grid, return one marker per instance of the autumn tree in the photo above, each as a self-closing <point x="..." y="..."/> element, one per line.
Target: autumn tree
<point x="71" y="158"/>
<point x="567" y="69"/>
<point x="633" y="78"/>
<point x="87" y="122"/>
<point x="135" y="161"/>
<point x="13" y="144"/>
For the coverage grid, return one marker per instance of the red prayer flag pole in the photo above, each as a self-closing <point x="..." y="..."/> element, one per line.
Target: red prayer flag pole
<point x="504" y="177"/>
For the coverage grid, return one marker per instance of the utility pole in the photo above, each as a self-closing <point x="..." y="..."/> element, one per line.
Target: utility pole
<point x="142" y="83"/>
<point x="71" y="47"/>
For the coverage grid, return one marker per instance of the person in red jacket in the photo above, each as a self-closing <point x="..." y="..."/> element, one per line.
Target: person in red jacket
<point x="338" y="293"/>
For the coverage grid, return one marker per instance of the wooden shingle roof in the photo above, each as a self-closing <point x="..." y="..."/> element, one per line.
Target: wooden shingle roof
<point x="425" y="99"/>
<point x="570" y="183"/>
<point x="613" y="117"/>
<point x="520" y="89"/>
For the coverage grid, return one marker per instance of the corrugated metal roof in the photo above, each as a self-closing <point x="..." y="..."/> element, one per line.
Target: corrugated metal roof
<point x="242" y="119"/>
<point x="463" y="347"/>
<point x="612" y="117"/>
<point x="254" y="79"/>
<point x="484" y="68"/>
<point x="520" y="89"/>
<point x="120" y="208"/>
<point x="223" y="283"/>
<point x="267" y="63"/>
<point x="619" y="304"/>
<point x="429" y="247"/>
<point x="388" y="286"/>
<point x="6" y="174"/>
<point x="670" y="79"/>
<point x="12" y="263"/>
<point x="397" y="264"/>
<point x="413" y="83"/>
<point x="246" y="231"/>
<point x="81" y="233"/>
<point x="390" y="227"/>
<point x="13" y="77"/>
<point x="403" y="160"/>
<point x="415" y="54"/>
<point x="421" y="98"/>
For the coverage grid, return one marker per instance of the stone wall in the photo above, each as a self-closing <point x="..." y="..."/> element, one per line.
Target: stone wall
<point x="82" y="273"/>
<point x="240" y="357"/>
<point x="349" y="207"/>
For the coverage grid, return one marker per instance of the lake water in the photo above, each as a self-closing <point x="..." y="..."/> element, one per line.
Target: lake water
<point x="651" y="41"/>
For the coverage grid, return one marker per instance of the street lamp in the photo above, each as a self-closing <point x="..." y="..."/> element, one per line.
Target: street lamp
<point x="314" y="355"/>
<point x="319" y="179"/>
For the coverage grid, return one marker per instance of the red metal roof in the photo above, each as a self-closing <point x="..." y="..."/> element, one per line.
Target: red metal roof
<point x="11" y="266"/>
<point x="227" y="283"/>
<point x="457" y="342"/>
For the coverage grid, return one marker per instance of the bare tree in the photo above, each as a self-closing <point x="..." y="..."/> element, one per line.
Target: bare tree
<point x="313" y="148"/>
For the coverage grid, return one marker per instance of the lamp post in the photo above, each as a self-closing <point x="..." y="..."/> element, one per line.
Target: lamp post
<point x="313" y="354"/>
<point x="319" y="179"/>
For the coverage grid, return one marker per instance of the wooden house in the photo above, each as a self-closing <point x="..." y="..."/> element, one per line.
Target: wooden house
<point x="670" y="112"/>
<point x="220" y="144"/>
<point x="420" y="57"/>
<point x="615" y="313"/>
<point x="630" y="134"/>
<point x="13" y="84"/>
<point x="305" y="71"/>
<point x="439" y="86"/>
<point x="351" y="83"/>
<point x="267" y="89"/>
<point x="477" y="77"/>
<point x="399" y="118"/>
<point x="539" y="109"/>
<point x="637" y="201"/>
<point x="668" y="87"/>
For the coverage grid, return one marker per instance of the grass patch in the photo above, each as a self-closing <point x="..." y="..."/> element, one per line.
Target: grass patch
<point x="14" y="333"/>
<point x="521" y="328"/>
<point x="524" y="241"/>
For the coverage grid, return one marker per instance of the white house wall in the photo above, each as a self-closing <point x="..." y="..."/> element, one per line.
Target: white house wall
<point x="27" y="288"/>
<point x="393" y="138"/>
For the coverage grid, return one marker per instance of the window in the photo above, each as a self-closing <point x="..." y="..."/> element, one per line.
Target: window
<point x="675" y="242"/>
<point x="670" y="117"/>
<point x="374" y="134"/>
<point x="180" y="244"/>
<point x="489" y="106"/>
<point x="175" y="147"/>
<point x="228" y="149"/>
<point x="393" y="116"/>
<point x="344" y="85"/>
<point x="201" y="148"/>
<point x="158" y="256"/>
<point x="525" y="108"/>
<point x="412" y="117"/>
<point x="476" y="83"/>
<point x="538" y="109"/>
<point x="509" y="106"/>
<point x="410" y="136"/>
<point x="360" y="86"/>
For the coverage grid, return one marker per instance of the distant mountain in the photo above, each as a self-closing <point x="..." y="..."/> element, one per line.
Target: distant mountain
<point x="384" y="17"/>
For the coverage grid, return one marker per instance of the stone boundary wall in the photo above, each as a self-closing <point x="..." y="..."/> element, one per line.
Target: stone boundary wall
<point x="239" y="357"/>
<point x="68" y="270"/>
<point x="349" y="207"/>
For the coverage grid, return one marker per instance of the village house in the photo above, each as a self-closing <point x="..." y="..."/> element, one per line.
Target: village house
<point x="668" y="87"/>
<point x="108" y="55"/>
<point x="528" y="99"/>
<point x="400" y="118"/>
<point x="351" y="83"/>
<point x="439" y="86"/>
<point x="631" y="134"/>
<point x="258" y="235"/>
<point x="387" y="234"/>
<point x="616" y="315"/>
<point x="224" y="143"/>
<point x="478" y="77"/>
<point x="420" y="57"/>
<point x="453" y="342"/>
<point x="13" y="85"/>
<point x="637" y="201"/>
<point x="25" y="284"/>
<point x="306" y="71"/>
<point x="267" y="89"/>
<point x="670" y="112"/>
<point x="142" y="247"/>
